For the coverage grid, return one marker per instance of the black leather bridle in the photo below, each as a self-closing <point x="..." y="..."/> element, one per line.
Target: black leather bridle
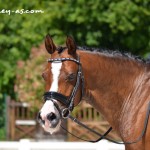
<point x="69" y="103"/>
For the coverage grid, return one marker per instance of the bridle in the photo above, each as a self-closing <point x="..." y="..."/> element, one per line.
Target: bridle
<point x="69" y="103"/>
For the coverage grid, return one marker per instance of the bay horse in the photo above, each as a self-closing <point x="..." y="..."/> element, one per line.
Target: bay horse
<point x="116" y="84"/>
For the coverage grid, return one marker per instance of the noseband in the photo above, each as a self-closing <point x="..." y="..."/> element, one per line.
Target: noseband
<point x="67" y="101"/>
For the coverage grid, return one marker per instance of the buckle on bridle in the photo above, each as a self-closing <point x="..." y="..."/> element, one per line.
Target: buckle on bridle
<point x="65" y="113"/>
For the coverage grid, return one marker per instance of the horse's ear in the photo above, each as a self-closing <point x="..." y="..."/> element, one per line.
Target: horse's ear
<point x="49" y="44"/>
<point x="71" y="45"/>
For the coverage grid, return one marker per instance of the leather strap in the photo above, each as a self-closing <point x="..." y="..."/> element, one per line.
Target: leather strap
<point x="106" y="133"/>
<point x="54" y="95"/>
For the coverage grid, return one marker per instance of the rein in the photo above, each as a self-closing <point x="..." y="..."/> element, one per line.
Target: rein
<point x="104" y="135"/>
<point x="69" y="102"/>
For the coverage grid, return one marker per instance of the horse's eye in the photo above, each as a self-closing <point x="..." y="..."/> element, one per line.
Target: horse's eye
<point x="71" y="76"/>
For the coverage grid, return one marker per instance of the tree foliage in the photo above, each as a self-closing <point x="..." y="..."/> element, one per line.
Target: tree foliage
<point x="112" y="24"/>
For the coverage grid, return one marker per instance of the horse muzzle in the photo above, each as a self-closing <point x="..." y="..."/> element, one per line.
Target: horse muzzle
<point x="49" y="117"/>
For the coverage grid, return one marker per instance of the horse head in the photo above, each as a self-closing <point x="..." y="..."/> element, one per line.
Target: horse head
<point x="63" y="83"/>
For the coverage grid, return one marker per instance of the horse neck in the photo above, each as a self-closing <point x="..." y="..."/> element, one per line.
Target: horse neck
<point x="109" y="81"/>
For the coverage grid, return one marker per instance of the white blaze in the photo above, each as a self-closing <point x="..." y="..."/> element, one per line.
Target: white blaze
<point x="56" y="66"/>
<point x="49" y="107"/>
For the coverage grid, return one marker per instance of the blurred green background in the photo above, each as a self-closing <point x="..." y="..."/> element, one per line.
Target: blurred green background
<point x="119" y="24"/>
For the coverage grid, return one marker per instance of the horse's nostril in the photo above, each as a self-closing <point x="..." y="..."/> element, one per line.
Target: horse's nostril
<point x="51" y="119"/>
<point x="39" y="118"/>
<point x="54" y="120"/>
<point x="51" y="116"/>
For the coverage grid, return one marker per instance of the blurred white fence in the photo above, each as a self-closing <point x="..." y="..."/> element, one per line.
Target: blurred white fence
<point x="42" y="145"/>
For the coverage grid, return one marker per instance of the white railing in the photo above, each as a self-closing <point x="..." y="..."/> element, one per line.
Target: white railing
<point x="26" y="144"/>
